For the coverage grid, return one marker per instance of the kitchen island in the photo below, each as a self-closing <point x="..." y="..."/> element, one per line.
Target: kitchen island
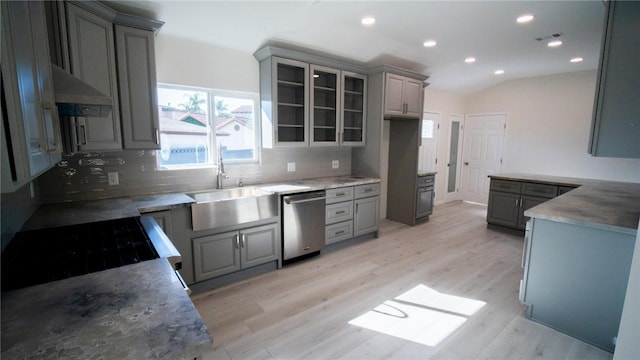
<point x="138" y="311"/>
<point x="577" y="257"/>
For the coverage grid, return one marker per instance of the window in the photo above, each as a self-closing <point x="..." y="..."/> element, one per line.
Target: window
<point x="196" y="122"/>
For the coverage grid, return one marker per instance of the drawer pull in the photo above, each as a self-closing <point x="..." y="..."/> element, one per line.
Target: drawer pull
<point x="340" y="212"/>
<point x="340" y="194"/>
<point x="339" y="232"/>
<point x="368" y="190"/>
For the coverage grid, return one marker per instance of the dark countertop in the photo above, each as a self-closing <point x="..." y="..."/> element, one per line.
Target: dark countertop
<point x="138" y="311"/>
<point x="602" y="204"/>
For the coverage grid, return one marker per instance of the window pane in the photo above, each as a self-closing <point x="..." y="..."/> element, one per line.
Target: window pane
<point x="427" y="128"/>
<point x="235" y="127"/>
<point x="185" y="131"/>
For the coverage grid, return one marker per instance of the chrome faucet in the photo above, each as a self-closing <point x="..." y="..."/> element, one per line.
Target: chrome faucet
<point x="220" y="174"/>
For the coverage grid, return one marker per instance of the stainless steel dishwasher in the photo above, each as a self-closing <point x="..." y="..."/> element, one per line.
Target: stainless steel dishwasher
<point x="303" y="224"/>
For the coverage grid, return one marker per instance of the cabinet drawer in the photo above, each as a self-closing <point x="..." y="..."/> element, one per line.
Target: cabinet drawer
<point x="338" y="232"/>
<point x="505" y="186"/>
<point x="363" y="191"/>
<point x="339" y="212"/>
<point x="426" y="180"/>
<point x="542" y="190"/>
<point x="339" y="194"/>
<point x="564" y="189"/>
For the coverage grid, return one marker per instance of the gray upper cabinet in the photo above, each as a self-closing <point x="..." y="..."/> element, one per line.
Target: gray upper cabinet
<point x="403" y="96"/>
<point x="354" y="109"/>
<point x="325" y="105"/>
<point x="137" y="84"/>
<point x="615" y="129"/>
<point x="30" y="134"/>
<point x="93" y="59"/>
<point x="284" y="97"/>
<point x="310" y="100"/>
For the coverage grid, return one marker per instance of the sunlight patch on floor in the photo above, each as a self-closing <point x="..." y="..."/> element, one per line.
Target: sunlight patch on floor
<point x="422" y="315"/>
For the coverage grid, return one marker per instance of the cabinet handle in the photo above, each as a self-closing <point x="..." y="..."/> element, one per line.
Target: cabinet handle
<point x="56" y="146"/>
<point x="357" y="207"/>
<point x="340" y="194"/>
<point x="367" y="190"/>
<point x="84" y="134"/>
<point x="340" y="212"/>
<point x="244" y="240"/>
<point x="237" y="241"/>
<point x="157" y="136"/>
<point x="517" y="203"/>
<point x="339" y="232"/>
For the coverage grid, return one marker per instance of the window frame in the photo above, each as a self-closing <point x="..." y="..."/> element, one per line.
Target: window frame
<point x="211" y="95"/>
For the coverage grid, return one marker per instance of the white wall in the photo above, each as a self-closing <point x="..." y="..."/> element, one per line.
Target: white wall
<point x="548" y="125"/>
<point x="184" y="62"/>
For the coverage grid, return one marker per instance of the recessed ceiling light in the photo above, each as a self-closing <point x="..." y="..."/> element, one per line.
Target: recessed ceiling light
<point x="368" y="20"/>
<point x="499" y="72"/>
<point x="429" y="43"/>
<point x="523" y="19"/>
<point x="470" y="60"/>
<point x="554" y="43"/>
<point x="576" y="60"/>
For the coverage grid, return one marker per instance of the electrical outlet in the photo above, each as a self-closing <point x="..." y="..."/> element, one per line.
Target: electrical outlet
<point x="291" y="167"/>
<point x="335" y="164"/>
<point x="113" y="178"/>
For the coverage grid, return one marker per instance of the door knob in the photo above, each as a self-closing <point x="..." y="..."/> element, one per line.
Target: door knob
<point x="448" y="164"/>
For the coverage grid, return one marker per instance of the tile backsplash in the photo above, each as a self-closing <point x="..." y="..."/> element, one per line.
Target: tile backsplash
<point x="85" y="176"/>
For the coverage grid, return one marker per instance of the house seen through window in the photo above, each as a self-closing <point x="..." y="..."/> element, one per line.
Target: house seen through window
<point x="195" y="122"/>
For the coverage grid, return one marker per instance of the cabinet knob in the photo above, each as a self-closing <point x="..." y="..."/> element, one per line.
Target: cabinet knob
<point x="466" y="163"/>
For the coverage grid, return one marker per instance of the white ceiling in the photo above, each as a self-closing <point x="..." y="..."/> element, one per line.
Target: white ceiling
<point x="486" y="30"/>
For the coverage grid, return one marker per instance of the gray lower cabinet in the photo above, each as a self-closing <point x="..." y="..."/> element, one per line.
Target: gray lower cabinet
<point x="509" y="199"/>
<point x="575" y="278"/>
<point x="365" y="219"/>
<point x="351" y="211"/>
<point x="227" y="252"/>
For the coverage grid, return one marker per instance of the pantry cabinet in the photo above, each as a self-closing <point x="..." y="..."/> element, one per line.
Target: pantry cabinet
<point x="615" y="130"/>
<point x="30" y="132"/>
<point x="227" y="252"/>
<point x="402" y="96"/>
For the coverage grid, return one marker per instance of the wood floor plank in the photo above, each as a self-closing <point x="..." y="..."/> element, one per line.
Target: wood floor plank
<point x="302" y="311"/>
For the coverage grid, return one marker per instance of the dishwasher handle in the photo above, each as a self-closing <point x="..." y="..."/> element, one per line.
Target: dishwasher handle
<point x="303" y="198"/>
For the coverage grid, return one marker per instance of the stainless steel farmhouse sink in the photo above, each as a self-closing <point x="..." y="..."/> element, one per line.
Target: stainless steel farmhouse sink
<point x="228" y="207"/>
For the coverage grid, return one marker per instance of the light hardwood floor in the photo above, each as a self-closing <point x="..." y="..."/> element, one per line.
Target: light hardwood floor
<point x="302" y="311"/>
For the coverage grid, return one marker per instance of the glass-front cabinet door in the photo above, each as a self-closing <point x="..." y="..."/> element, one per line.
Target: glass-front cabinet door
<point x="354" y="95"/>
<point x="291" y="102"/>
<point x="325" y="104"/>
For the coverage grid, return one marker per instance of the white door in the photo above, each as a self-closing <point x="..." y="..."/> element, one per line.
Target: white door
<point x="482" y="154"/>
<point x="454" y="159"/>
<point x="428" y="147"/>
